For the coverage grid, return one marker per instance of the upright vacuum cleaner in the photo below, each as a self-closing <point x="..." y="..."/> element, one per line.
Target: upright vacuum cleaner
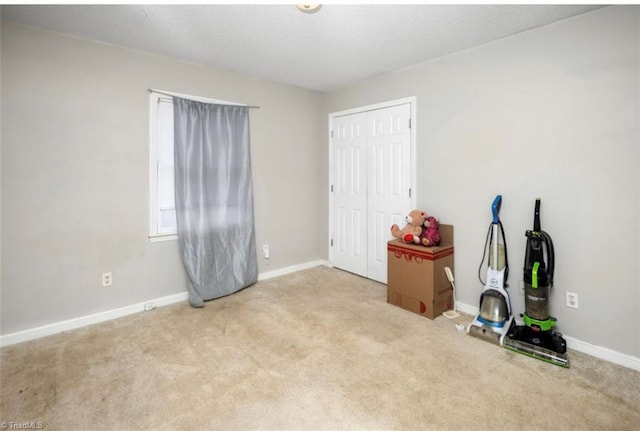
<point x="536" y="338"/>
<point x="494" y="317"/>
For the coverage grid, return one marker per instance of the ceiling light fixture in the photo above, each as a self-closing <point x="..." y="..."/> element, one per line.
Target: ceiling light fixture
<point x="309" y="8"/>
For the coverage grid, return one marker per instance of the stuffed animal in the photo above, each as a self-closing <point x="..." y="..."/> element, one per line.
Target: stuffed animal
<point x="411" y="232"/>
<point x="430" y="234"/>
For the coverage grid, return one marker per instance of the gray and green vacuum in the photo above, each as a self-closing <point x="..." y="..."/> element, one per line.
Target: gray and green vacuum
<point x="536" y="337"/>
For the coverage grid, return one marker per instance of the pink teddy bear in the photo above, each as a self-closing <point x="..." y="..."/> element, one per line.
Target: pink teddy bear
<point x="430" y="236"/>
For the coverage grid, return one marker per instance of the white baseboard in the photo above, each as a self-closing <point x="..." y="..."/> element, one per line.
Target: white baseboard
<point x="603" y="353"/>
<point x="466" y="308"/>
<point x="599" y="352"/>
<point x="79" y="322"/>
<point x="291" y="269"/>
<point x="103" y="316"/>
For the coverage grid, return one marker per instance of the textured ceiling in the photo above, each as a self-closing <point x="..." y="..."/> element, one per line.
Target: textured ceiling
<point x="334" y="47"/>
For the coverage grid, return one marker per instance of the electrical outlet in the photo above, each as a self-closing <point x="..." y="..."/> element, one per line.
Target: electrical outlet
<point x="265" y="251"/>
<point x="107" y="279"/>
<point x="572" y="300"/>
<point x="149" y="306"/>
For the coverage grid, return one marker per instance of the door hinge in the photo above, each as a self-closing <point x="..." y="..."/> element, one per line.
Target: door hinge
<point x="332" y="134"/>
<point x="409" y="192"/>
<point x="409" y="122"/>
<point x="331" y="242"/>
<point x="332" y="188"/>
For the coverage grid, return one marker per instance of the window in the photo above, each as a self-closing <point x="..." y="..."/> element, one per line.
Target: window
<point x="162" y="218"/>
<point x="163" y="210"/>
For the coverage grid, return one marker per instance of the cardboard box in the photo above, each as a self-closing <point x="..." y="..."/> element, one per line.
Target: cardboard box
<point x="416" y="280"/>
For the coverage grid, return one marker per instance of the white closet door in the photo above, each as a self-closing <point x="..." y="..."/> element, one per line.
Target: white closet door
<point x="350" y="194"/>
<point x="389" y="181"/>
<point x="371" y="180"/>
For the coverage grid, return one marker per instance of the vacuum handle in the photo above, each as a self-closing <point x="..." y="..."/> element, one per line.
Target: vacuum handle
<point x="536" y="216"/>
<point x="495" y="208"/>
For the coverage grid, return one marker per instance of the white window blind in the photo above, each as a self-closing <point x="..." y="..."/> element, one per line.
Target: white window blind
<point x="162" y="199"/>
<point x="166" y="200"/>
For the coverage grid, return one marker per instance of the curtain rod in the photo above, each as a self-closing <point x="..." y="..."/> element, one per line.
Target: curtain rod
<point x="150" y="90"/>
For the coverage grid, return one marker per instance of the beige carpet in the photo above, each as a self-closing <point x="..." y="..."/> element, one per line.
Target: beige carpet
<point x="315" y="350"/>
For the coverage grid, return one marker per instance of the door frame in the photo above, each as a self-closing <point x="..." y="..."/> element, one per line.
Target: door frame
<point x="412" y="101"/>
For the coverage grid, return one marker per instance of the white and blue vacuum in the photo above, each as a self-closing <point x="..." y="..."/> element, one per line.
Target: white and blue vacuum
<point x="494" y="317"/>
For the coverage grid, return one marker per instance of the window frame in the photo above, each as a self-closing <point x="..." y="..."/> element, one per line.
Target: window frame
<point x="154" y="213"/>
<point x="154" y="100"/>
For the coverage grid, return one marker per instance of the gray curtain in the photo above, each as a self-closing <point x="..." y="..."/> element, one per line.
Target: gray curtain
<point x="214" y="198"/>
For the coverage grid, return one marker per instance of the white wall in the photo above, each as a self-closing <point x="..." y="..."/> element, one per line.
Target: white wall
<point x="75" y="175"/>
<point x="550" y="113"/>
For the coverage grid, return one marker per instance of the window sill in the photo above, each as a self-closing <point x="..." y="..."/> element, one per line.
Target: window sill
<point x="161" y="238"/>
